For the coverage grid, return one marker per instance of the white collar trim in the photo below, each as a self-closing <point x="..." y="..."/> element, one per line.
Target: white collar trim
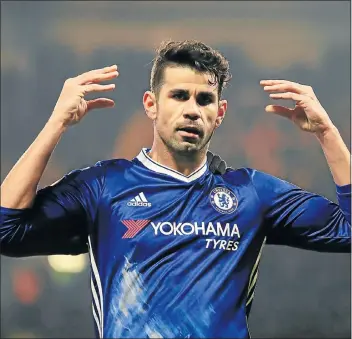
<point x="154" y="166"/>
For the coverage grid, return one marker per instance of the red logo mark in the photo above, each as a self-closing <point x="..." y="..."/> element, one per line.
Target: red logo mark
<point x="134" y="227"/>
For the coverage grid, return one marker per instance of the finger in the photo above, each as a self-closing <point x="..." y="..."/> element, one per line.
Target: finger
<point x="97" y="88"/>
<point x="288" y="95"/>
<point x="280" y="110"/>
<point x="100" y="103"/>
<point x="87" y="76"/>
<point x="276" y="82"/>
<point x="101" y="77"/>
<point x="289" y="87"/>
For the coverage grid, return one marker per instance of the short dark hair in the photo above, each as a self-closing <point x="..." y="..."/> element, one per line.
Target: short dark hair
<point x="193" y="54"/>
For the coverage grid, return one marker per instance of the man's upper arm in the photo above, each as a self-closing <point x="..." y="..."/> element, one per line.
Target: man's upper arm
<point x="59" y="220"/>
<point x="298" y="218"/>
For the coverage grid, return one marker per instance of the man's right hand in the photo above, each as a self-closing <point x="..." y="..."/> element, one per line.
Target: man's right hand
<point x="19" y="188"/>
<point x="71" y="106"/>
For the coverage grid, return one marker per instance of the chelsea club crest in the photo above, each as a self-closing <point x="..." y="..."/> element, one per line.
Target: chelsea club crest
<point x="223" y="200"/>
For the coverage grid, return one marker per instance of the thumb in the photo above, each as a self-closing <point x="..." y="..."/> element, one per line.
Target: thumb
<point x="280" y="110"/>
<point x="100" y="103"/>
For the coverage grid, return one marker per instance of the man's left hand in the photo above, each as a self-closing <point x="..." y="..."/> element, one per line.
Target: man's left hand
<point x="308" y="114"/>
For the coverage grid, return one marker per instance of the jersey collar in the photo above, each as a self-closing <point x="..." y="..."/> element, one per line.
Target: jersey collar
<point x="144" y="158"/>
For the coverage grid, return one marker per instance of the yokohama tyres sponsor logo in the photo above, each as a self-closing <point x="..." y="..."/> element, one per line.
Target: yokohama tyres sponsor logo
<point x="206" y="229"/>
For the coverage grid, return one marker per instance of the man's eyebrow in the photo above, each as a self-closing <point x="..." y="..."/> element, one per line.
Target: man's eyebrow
<point x="204" y="93"/>
<point x="179" y="90"/>
<point x="210" y="95"/>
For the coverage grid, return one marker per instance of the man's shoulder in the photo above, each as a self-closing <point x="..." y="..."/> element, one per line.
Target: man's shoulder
<point x="99" y="169"/>
<point x="244" y="171"/>
<point x="243" y="175"/>
<point x="255" y="177"/>
<point x="116" y="164"/>
<point x="238" y="172"/>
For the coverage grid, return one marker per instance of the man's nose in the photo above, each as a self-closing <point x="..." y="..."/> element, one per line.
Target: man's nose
<point x="191" y="111"/>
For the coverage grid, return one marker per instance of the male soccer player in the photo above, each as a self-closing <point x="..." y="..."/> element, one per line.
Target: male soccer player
<point x="174" y="248"/>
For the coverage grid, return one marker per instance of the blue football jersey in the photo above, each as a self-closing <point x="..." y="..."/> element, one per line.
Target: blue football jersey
<point x="173" y="256"/>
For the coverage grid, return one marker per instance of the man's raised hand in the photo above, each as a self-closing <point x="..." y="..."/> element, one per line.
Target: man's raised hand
<point x="308" y="113"/>
<point x="71" y="106"/>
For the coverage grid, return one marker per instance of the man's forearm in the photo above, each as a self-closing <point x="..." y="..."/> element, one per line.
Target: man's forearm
<point x="20" y="186"/>
<point x="18" y="190"/>
<point x="337" y="155"/>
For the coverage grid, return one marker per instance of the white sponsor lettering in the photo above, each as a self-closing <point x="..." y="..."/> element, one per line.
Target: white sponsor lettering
<point x="177" y="229"/>
<point x="184" y="228"/>
<point x="208" y="241"/>
<point x="222" y="244"/>
<point x="235" y="231"/>
<point x="216" y="243"/>
<point x="225" y="230"/>
<point x="188" y="228"/>
<point x="164" y="226"/>
<point x="211" y="229"/>
<point x="202" y="228"/>
<point x="156" y="227"/>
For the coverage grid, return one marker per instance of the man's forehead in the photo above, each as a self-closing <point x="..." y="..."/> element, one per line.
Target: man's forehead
<point x="187" y="78"/>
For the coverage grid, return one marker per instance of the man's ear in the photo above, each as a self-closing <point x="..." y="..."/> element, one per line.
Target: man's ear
<point x="221" y="113"/>
<point x="149" y="103"/>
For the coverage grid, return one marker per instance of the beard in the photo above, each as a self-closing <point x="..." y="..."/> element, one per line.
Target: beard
<point x="186" y="146"/>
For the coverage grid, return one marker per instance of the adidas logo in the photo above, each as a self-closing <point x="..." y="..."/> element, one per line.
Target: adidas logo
<point x="139" y="200"/>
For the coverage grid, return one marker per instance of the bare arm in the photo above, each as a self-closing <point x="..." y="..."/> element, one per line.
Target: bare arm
<point x="56" y="219"/>
<point x="337" y="156"/>
<point x="19" y="188"/>
<point x="310" y="116"/>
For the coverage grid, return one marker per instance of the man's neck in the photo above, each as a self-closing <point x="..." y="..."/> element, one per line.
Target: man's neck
<point x="184" y="163"/>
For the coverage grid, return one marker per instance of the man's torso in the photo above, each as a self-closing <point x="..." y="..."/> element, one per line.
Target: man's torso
<point x="174" y="256"/>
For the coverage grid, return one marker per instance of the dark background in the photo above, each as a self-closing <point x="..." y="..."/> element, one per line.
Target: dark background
<point x="300" y="294"/>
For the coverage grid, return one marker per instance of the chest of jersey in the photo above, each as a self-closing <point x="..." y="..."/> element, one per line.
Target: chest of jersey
<point x="207" y="215"/>
<point x="166" y="247"/>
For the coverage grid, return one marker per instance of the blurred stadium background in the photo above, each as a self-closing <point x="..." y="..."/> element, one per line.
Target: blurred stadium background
<point x="300" y="294"/>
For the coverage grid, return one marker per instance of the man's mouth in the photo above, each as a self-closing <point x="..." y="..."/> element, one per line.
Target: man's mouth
<point x="190" y="131"/>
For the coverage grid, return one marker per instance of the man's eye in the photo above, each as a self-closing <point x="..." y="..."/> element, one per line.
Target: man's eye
<point x="204" y="100"/>
<point x="180" y="96"/>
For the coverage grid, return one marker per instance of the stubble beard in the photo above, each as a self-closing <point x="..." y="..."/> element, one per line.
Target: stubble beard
<point x="184" y="148"/>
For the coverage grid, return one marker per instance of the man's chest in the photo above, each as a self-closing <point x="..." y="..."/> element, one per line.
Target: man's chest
<point x="150" y="218"/>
